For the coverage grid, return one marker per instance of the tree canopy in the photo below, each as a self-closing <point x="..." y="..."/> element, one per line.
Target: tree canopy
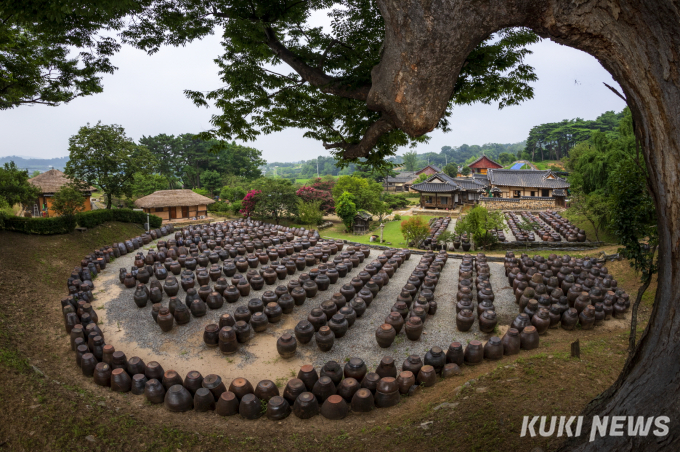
<point x="281" y="71"/>
<point x="14" y="186"/>
<point x="52" y="52"/>
<point x="104" y="156"/>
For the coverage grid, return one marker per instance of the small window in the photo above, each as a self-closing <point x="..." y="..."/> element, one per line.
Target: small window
<point x="158" y="209"/>
<point x="445" y="200"/>
<point x="471" y="197"/>
<point x="533" y="193"/>
<point x="545" y="192"/>
<point x="518" y="194"/>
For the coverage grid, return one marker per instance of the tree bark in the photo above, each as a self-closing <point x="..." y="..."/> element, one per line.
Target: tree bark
<point x="426" y="43"/>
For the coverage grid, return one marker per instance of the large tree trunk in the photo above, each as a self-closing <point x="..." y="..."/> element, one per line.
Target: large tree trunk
<point x="638" y="42"/>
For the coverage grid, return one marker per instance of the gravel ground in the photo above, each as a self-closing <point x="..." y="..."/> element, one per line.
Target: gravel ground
<point x="440" y="330"/>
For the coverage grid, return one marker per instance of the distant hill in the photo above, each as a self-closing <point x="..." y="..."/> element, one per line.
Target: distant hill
<point x="35" y="164"/>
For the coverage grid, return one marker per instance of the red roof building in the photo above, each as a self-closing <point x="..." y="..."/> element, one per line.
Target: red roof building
<point x="483" y="164"/>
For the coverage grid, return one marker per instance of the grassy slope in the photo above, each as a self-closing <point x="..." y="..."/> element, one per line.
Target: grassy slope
<point x="59" y="411"/>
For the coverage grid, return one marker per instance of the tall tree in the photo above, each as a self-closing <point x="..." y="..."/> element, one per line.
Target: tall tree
<point x="104" y="156"/>
<point x="410" y="160"/>
<point x="276" y="200"/>
<point x="14" y="186"/>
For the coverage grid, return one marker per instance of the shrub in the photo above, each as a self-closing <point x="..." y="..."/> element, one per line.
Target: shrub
<point x="236" y="207"/>
<point x="219" y="206"/>
<point x="232" y="194"/>
<point x="42" y="226"/>
<point x="249" y="202"/>
<point x="346" y="209"/>
<point x="96" y="217"/>
<point x="68" y="201"/>
<point x="325" y="198"/>
<point x="201" y="191"/>
<point x="395" y="202"/>
<point x="309" y="212"/>
<point x="414" y="229"/>
<point x="397" y="217"/>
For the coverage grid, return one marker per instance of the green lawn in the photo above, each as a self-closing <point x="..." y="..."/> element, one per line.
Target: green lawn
<point x="584" y="224"/>
<point x="391" y="233"/>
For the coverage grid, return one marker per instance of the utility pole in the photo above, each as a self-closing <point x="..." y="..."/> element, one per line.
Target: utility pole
<point x="317" y="167"/>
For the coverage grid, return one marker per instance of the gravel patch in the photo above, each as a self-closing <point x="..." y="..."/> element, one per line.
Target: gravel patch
<point x="134" y="326"/>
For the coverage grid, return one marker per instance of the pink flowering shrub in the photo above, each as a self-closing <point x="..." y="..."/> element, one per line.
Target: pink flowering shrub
<point x="249" y="202"/>
<point x="312" y="194"/>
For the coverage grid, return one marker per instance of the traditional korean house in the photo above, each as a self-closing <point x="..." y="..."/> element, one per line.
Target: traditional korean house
<point x="441" y="191"/>
<point x="362" y="221"/>
<point x="520" y="183"/>
<point x="429" y="170"/>
<point x="401" y="182"/>
<point x="49" y="183"/>
<point x="483" y="164"/>
<point x="175" y="204"/>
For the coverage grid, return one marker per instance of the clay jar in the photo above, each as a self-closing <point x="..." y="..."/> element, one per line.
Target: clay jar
<point x="436" y="358"/>
<point x="308" y="375"/>
<point x="347" y="387"/>
<point x="455" y="353"/>
<point x="386" y="368"/>
<point x="304" y="332"/>
<point x="541" y="321"/>
<point x="333" y="371"/>
<point x="286" y="345"/>
<point x="323" y="388"/>
<point x="306" y="406"/>
<point x="266" y="389"/>
<point x="299" y="295"/>
<point x="355" y="368"/>
<point x="569" y="319"/>
<point x="396" y="320"/>
<point x="363" y="401"/>
<point x="178" y="399"/>
<point x="587" y="318"/>
<point x="385" y="335"/>
<point x="154" y="391"/>
<point x="493" y="349"/>
<point x="474" y="353"/>
<point x="324" y="339"/>
<point x="387" y="393"/>
<point x="412" y="364"/>
<point x="521" y="322"/>
<point x="293" y="389"/>
<point x="405" y="380"/>
<point x="413" y="328"/>
<point x="317" y="318"/>
<point x="488" y="321"/>
<point x="165" y="320"/>
<point x="529" y="338"/>
<point x="464" y="320"/>
<point x="427" y="376"/>
<point x="511" y="342"/>
<point x="250" y="407"/>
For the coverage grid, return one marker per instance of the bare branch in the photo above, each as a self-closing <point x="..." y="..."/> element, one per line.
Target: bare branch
<point x="615" y="91"/>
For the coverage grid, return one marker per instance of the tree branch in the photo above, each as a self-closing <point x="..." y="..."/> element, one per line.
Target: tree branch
<point x="367" y="143"/>
<point x="314" y="76"/>
<point x="615" y="91"/>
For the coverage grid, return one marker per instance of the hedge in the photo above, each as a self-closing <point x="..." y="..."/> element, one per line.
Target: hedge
<point x="45" y="226"/>
<point x="96" y="217"/>
<point x="64" y="225"/>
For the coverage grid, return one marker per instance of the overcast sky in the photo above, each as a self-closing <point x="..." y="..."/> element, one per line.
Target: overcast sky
<point x="146" y="97"/>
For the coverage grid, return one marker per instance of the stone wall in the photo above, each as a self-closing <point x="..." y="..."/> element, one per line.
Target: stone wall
<point x="524" y="203"/>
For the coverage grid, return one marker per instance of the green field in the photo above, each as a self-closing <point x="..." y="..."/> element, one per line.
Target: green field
<point x="391" y="233"/>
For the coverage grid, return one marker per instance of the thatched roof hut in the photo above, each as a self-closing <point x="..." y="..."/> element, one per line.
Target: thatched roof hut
<point x="51" y="181"/>
<point x="172" y="204"/>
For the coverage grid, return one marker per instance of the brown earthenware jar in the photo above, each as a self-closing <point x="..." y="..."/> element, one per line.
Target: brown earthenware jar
<point x="474" y="353"/>
<point x="569" y="319"/>
<point x="250" y="407"/>
<point x="324" y="338"/>
<point x="493" y="349"/>
<point x="363" y="401"/>
<point x="355" y="368"/>
<point x="464" y="320"/>
<point x="427" y="376"/>
<point x="304" y="331"/>
<point x="487" y="321"/>
<point x="306" y="406"/>
<point x="178" y="399"/>
<point x="266" y="389"/>
<point x="413" y="328"/>
<point x="385" y="335"/>
<point x="154" y="391"/>
<point x="240" y="387"/>
<point x="455" y="353"/>
<point x="286" y="345"/>
<point x="511" y="342"/>
<point x="529" y="338"/>
<point x="227" y="404"/>
<point x="308" y="375"/>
